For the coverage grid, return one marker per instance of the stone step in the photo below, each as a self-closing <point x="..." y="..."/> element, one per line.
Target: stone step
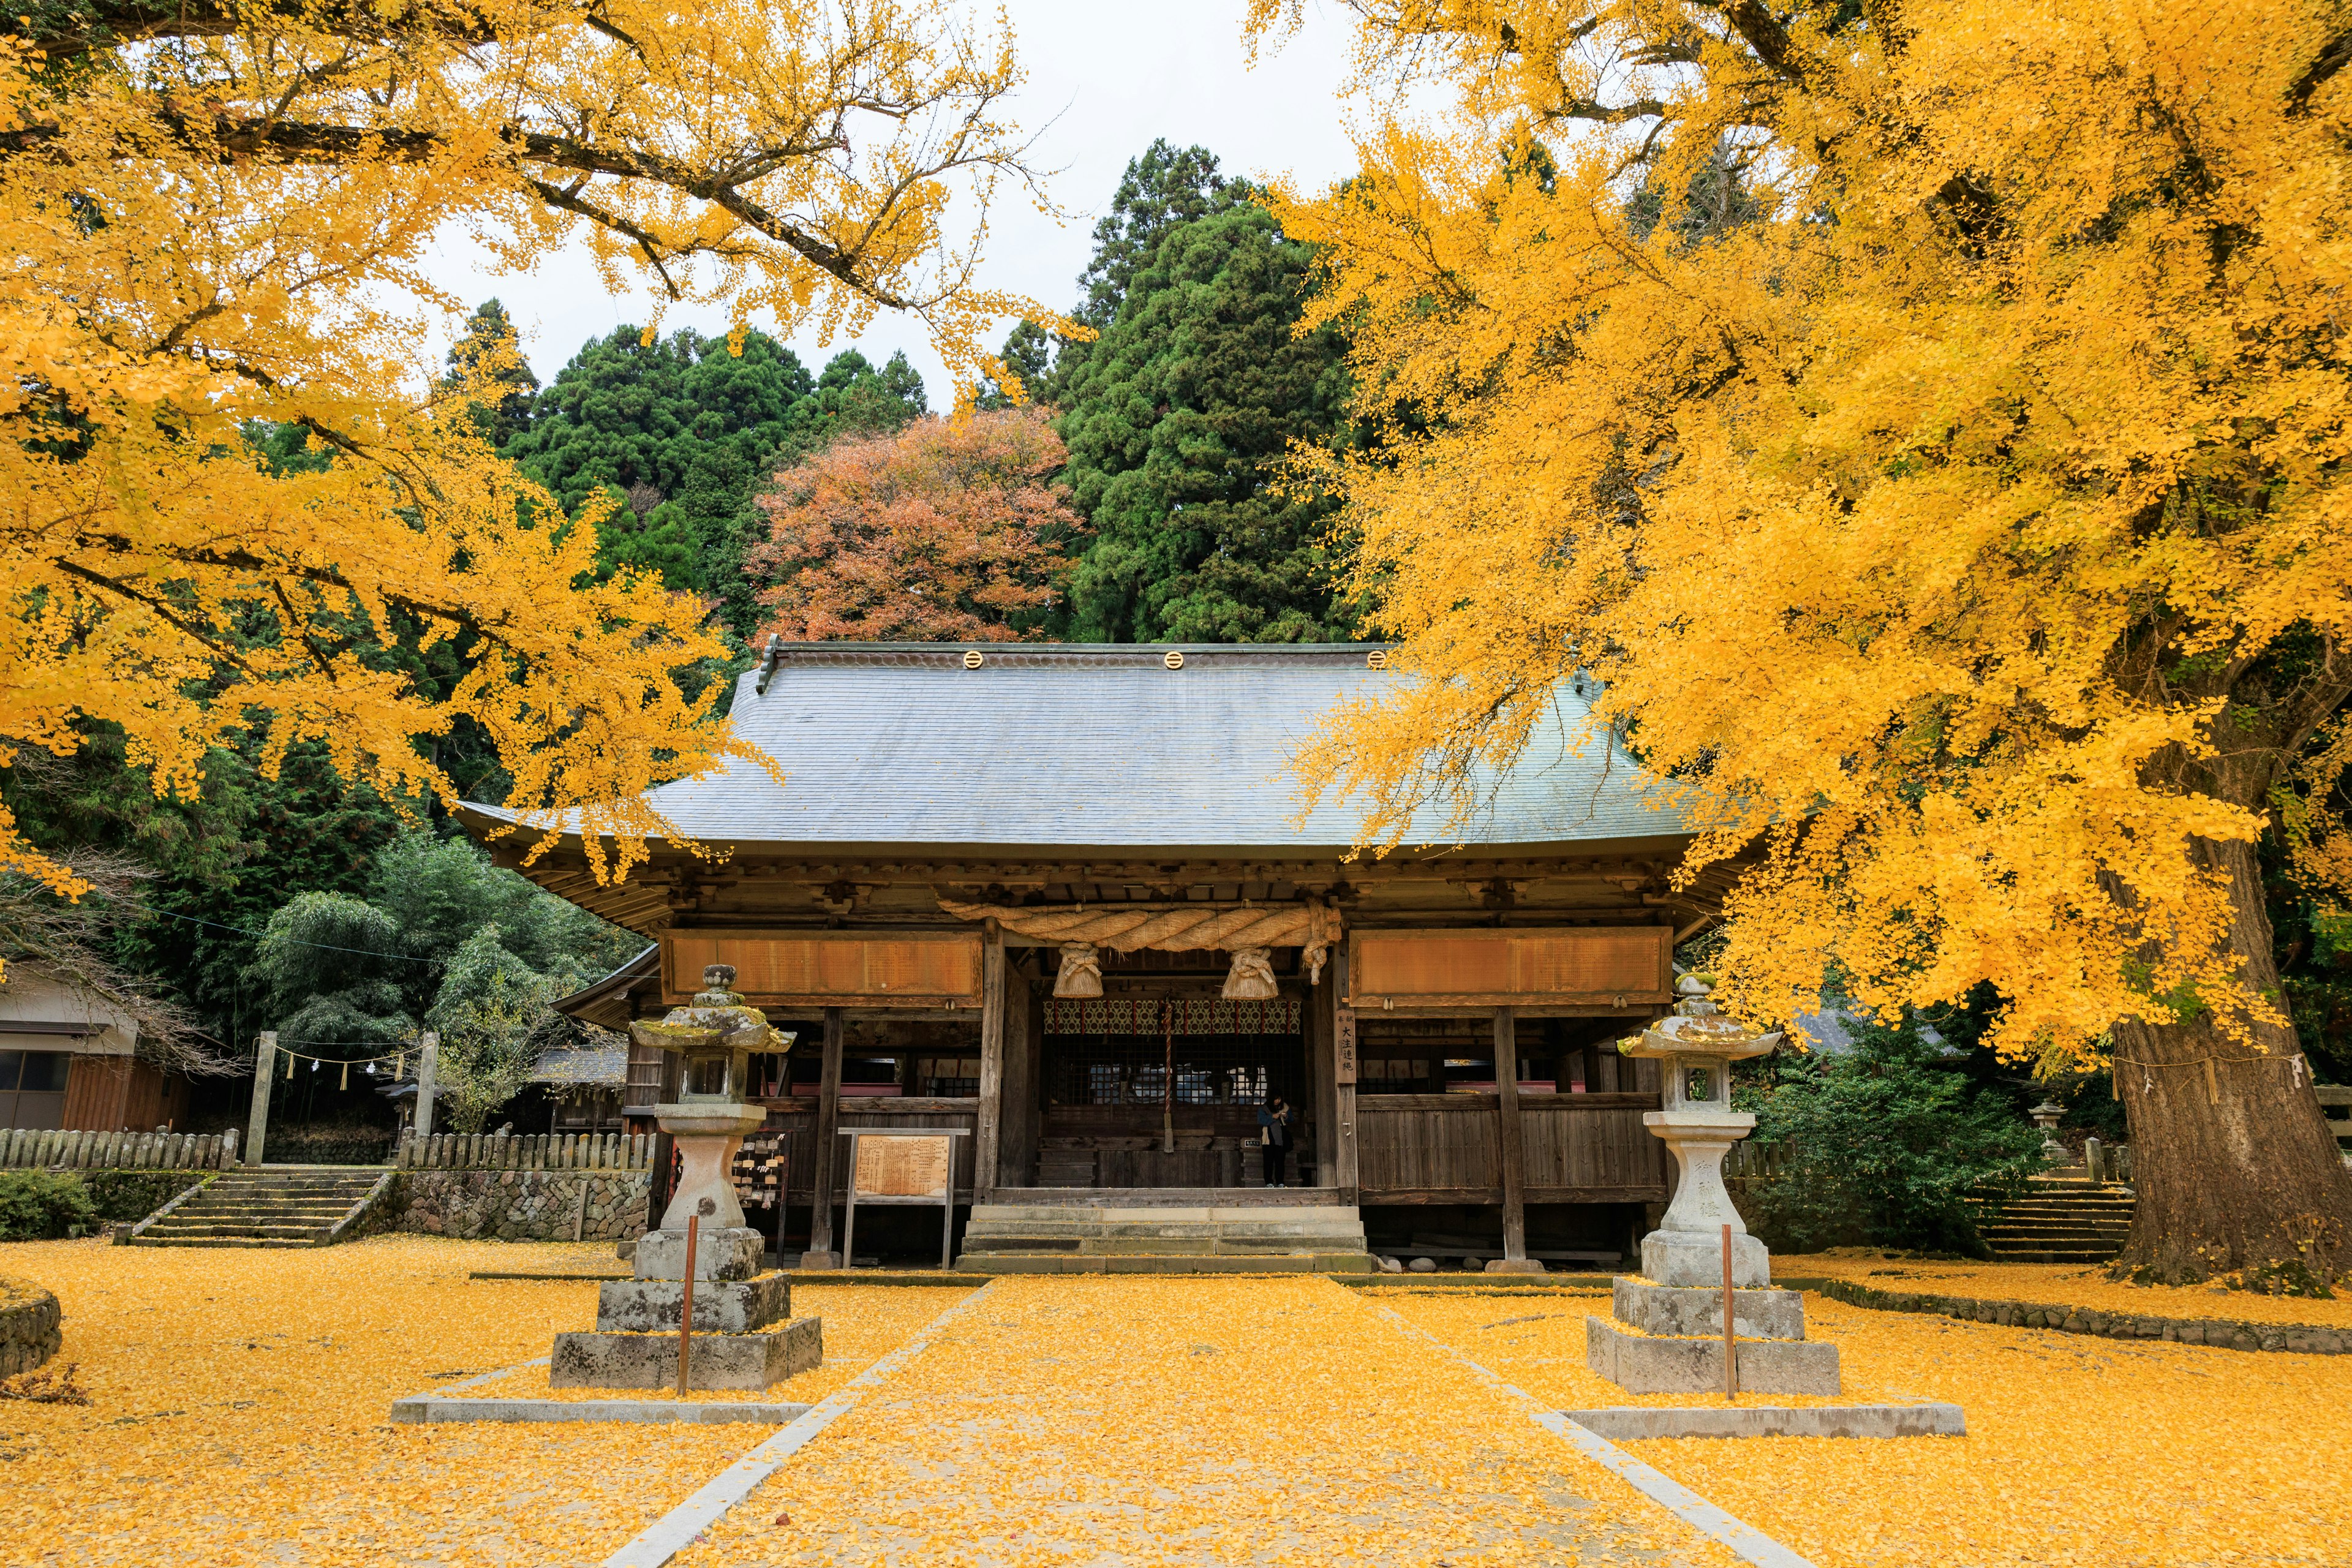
<point x="1165" y="1263"/>
<point x="1353" y="1231"/>
<point x="150" y="1239"/>
<point x="293" y="1232"/>
<point x="1169" y="1214"/>
<point x="2087" y="1256"/>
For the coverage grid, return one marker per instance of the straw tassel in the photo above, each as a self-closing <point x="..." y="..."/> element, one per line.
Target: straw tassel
<point x="2212" y="1088"/>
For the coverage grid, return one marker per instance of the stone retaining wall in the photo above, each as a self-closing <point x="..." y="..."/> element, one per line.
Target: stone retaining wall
<point x="2307" y="1339"/>
<point x="520" y="1206"/>
<point x="30" y="1327"/>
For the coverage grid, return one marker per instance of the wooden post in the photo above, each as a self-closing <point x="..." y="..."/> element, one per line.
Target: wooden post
<point x="1507" y="1094"/>
<point x="1322" y="1078"/>
<point x="428" y="1059"/>
<point x="988" y="1135"/>
<point x="1343" y="1054"/>
<point x="685" y="1304"/>
<point x="1730" y="1344"/>
<point x="820" y="1253"/>
<point x="265" y="1072"/>
<point x="1017" y="1100"/>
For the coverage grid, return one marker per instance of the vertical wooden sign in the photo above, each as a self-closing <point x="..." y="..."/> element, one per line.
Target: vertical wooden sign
<point x="1343" y="1043"/>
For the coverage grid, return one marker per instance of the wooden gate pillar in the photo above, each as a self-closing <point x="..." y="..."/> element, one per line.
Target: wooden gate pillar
<point x="820" y="1253"/>
<point x="1507" y="1093"/>
<point x="988" y="1135"/>
<point x="1343" y="1062"/>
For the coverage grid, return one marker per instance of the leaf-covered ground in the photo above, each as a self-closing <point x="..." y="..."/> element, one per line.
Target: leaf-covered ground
<point x="239" y="1399"/>
<point x="238" y="1410"/>
<point x="2102" y="1453"/>
<point x="2064" y="1284"/>
<point x="1188" y="1420"/>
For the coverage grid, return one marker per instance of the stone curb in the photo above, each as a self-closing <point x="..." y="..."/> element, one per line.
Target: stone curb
<point x="1746" y="1542"/>
<point x="431" y="1409"/>
<point x="2302" y="1339"/>
<point x="31" y="1331"/>
<point x="1635" y="1423"/>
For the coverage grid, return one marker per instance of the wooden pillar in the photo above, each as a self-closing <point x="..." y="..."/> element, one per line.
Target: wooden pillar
<point x="1023" y="1040"/>
<point x="1343" y="1059"/>
<point x="1515" y="1177"/>
<point x="1322" y="1080"/>
<point x="265" y="1073"/>
<point x="988" y="1137"/>
<point x="820" y="1253"/>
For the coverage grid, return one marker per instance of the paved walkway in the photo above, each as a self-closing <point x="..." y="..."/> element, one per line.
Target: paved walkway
<point x="1105" y="1422"/>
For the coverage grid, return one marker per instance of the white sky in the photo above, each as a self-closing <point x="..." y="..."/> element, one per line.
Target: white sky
<point x="1109" y="76"/>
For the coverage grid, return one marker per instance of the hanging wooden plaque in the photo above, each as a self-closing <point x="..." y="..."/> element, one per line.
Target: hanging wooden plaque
<point x="827" y="969"/>
<point x="1343" y="1044"/>
<point x="1606" y="966"/>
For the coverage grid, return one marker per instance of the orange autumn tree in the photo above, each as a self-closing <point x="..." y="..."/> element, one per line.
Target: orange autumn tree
<point x="949" y="530"/>
<point x="1925" y="420"/>
<point x="216" y="214"/>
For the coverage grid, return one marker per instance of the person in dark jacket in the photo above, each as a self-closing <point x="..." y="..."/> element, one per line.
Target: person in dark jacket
<point x="1273" y="1138"/>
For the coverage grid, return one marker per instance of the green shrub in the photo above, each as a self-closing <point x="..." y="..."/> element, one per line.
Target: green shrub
<point x="1884" y="1146"/>
<point x="37" y="1207"/>
<point x="341" y="1144"/>
<point x="135" y="1195"/>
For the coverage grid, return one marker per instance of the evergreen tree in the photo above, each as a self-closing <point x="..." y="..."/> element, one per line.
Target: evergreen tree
<point x="681" y="431"/>
<point x="489" y="347"/>
<point x="1180" y="416"/>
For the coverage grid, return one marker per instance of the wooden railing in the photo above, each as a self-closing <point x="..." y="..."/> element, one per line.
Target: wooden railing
<point x="541" y="1151"/>
<point x="2336" y="1104"/>
<point x="62" y="1151"/>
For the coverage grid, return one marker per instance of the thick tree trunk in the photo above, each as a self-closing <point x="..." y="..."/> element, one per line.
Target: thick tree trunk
<point x="2235" y="1167"/>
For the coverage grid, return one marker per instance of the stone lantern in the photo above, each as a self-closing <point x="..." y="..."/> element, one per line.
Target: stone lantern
<point x="2046" y="1116"/>
<point x="1695" y="1049"/>
<point x="1665" y="1332"/>
<point x="714" y="1036"/>
<point x="744" y="1334"/>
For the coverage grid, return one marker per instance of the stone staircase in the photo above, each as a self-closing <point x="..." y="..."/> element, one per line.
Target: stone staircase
<point x="2062" y="1220"/>
<point x="1209" y="1230"/>
<point x="277" y="1205"/>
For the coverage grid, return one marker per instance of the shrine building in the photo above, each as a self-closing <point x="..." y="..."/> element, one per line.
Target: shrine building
<point x="1064" y="896"/>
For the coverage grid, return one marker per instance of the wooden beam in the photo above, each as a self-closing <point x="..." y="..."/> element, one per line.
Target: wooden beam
<point x="1514" y="1175"/>
<point x="820" y="1253"/>
<point x="989" y="1133"/>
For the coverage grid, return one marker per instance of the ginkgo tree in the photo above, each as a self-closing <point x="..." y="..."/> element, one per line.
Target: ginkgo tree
<point x="1923" y="422"/>
<point x="216" y="214"/>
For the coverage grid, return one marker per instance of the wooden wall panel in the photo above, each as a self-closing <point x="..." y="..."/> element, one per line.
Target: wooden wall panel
<point x="1428" y="1143"/>
<point x="1626" y="966"/>
<point x="1447" y="1148"/>
<point x="828" y="969"/>
<point x="98" y="1092"/>
<point x="1587" y="1141"/>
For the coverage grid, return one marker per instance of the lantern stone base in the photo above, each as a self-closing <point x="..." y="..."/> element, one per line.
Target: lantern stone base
<point x="1695" y="1258"/>
<point x="718" y="1362"/>
<point x="721" y="1307"/>
<point x="1684" y="1311"/>
<point x="731" y="1252"/>
<point x="1643" y="1363"/>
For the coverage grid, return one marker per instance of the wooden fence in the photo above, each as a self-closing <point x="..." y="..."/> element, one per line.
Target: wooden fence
<point x="62" y="1150"/>
<point x="540" y="1151"/>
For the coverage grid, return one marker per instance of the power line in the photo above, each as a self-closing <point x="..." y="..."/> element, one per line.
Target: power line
<point x="296" y="942"/>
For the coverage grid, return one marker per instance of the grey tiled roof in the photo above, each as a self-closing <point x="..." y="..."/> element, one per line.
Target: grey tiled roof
<point x="1069" y="746"/>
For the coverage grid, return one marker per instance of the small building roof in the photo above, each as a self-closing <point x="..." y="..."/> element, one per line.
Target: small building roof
<point x="601" y="1065"/>
<point x="1080" y="747"/>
